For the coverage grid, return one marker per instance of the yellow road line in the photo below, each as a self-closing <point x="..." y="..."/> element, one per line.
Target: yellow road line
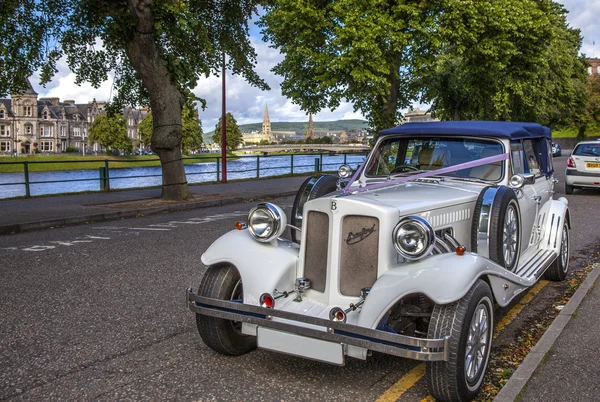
<point x="403" y="384"/>
<point x="412" y="377"/>
<point x="512" y="314"/>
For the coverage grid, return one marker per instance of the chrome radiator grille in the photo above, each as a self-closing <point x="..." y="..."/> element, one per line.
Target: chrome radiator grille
<point x="317" y="246"/>
<point x="359" y="249"/>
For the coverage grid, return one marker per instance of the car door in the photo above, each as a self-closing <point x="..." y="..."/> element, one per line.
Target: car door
<point x="527" y="195"/>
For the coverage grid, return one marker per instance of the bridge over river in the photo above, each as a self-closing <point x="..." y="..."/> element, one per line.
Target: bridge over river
<point x="332" y="148"/>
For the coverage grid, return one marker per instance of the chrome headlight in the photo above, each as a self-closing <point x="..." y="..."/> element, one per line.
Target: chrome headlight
<point x="413" y="237"/>
<point x="266" y="222"/>
<point x="344" y="172"/>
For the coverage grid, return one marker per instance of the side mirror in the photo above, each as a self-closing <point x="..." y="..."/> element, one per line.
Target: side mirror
<point x="519" y="180"/>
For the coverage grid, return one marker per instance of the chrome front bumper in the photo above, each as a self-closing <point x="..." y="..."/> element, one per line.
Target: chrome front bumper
<point x="371" y="339"/>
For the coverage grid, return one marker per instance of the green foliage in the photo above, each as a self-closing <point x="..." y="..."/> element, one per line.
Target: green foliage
<point x="318" y="140"/>
<point x="233" y="135"/>
<point x="514" y="60"/>
<point x="499" y="60"/>
<point x="192" y="129"/>
<point x="367" y="53"/>
<point x="96" y="37"/>
<point x="145" y="130"/>
<point x="71" y="150"/>
<point x="111" y="133"/>
<point x="593" y="108"/>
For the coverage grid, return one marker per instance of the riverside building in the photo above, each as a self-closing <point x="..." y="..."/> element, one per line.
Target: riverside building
<point x="29" y="124"/>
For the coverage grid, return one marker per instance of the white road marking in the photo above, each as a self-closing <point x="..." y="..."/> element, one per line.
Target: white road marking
<point x="97" y="237"/>
<point x="38" y="248"/>
<point x="148" y="228"/>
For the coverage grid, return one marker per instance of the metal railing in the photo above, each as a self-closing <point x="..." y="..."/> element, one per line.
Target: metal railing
<point x="108" y="173"/>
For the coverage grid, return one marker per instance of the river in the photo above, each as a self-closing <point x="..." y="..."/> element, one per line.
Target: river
<point x="72" y="181"/>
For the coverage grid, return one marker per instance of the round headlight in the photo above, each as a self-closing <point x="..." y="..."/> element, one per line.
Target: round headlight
<point x="344" y="171"/>
<point x="266" y="222"/>
<point x="413" y="237"/>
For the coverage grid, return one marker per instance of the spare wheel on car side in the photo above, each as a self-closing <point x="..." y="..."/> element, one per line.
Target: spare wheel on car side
<point x="313" y="187"/>
<point x="496" y="228"/>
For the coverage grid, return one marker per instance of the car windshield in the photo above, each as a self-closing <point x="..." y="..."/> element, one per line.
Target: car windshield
<point x="405" y="156"/>
<point x="587" y="150"/>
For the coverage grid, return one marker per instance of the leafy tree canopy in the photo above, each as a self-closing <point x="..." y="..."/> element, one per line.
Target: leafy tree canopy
<point x="156" y="49"/>
<point x="342" y="50"/>
<point x="233" y="135"/>
<point x="476" y="59"/>
<point x="111" y="132"/>
<point x="514" y="60"/>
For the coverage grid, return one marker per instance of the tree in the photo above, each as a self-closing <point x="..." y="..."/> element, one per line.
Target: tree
<point x="367" y="53"/>
<point x="233" y="135"/>
<point x="191" y="129"/>
<point x="510" y="60"/>
<point x="111" y="133"/>
<point x="156" y="49"/>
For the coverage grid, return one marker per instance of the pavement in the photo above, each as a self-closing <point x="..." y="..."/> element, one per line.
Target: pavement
<point x="37" y="213"/>
<point x="563" y="366"/>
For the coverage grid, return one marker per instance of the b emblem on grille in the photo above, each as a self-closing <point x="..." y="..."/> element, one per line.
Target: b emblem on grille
<point x="354" y="238"/>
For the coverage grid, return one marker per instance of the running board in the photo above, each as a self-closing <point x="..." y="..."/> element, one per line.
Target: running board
<point x="536" y="265"/>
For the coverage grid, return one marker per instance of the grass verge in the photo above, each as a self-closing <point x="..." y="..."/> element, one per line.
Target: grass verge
<point x="45" y="163"/>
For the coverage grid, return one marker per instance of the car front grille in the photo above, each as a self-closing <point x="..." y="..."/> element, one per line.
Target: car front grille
<point x="359" y="250"/>
<point x="317" y="246"/>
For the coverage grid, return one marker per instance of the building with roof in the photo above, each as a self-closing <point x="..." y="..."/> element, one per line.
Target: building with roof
<point x="29" y="124"/>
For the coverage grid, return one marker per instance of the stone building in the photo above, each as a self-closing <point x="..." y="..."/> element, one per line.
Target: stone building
<point x="29" y="124"/>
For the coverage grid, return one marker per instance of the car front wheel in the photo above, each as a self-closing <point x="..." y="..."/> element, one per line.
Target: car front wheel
<point x="223" y="282"/>
<point x="469" y="324"/>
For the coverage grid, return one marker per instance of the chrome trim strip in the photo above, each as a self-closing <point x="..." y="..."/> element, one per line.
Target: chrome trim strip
<point x="380" y="341"/>
<point x="483" y="233"/>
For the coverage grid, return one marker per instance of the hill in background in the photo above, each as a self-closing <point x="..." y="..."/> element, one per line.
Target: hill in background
<point x="300" y="127"/>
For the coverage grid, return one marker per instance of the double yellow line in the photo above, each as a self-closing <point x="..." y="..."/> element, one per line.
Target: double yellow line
<point x="413" y="376"/>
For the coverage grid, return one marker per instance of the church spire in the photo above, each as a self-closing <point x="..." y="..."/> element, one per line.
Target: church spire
<point x="310" y="131"/>
<point x="266" y="126"/>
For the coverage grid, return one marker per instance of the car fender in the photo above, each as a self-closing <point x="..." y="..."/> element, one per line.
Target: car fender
<point x="444" y="278"/>
<point x="558" y="213"/>
<point x="262" y="266"/>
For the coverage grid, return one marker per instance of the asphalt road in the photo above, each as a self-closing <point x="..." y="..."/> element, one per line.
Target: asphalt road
<point x="97" y="312"/>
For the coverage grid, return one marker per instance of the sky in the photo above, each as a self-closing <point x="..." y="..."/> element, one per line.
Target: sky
<point x="247" y="103"/>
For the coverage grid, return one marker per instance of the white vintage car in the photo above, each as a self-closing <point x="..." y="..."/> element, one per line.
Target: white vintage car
<point x="407" y="257"/>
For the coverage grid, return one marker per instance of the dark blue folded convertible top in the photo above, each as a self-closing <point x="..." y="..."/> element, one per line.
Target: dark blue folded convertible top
<point x="499" y="129"/>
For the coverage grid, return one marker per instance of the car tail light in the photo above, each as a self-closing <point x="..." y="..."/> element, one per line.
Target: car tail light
<point x="266" y="300"/>
<point x="571" y="162"/>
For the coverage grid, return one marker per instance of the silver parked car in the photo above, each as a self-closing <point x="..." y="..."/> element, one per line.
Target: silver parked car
<point x="408" y="255"/>
<point x="583" y="167"/>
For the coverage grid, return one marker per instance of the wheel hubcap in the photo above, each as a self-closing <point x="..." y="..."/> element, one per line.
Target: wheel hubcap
<point x="510" y="236"/>
<point x="564" y="249"/>
<point x="477" y="343"/>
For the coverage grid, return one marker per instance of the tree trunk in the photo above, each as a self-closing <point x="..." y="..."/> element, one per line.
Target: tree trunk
<point x="166" y="100"/>
<point x="457" y="115"/>
<point x="390" y="104"/>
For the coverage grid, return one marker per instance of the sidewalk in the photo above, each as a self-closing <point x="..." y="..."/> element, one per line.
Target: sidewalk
<point x="565" y="363"/>
<point x="18" y="215"/>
